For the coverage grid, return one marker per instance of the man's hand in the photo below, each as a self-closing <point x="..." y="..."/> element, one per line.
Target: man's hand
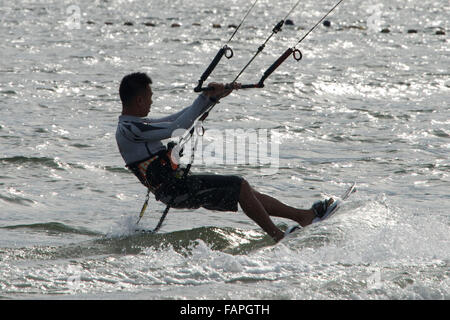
<point x="220" y="90"/>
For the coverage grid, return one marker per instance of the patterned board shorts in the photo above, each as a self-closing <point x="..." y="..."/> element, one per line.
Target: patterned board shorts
<point x="209" y="191"/>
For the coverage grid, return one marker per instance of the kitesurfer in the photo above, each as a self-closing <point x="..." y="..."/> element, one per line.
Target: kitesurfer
<point x="140" y="142"/>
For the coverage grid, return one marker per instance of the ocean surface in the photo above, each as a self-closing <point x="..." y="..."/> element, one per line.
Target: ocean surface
<point x="362" y="105"/>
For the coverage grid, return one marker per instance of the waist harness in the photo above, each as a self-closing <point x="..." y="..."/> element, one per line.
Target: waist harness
<point x="156" y="170"/>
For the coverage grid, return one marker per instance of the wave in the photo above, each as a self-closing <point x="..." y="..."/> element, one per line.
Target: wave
<point x="17" y="200"/>
<point x="226" y="239"/>
<point x="32" y="161"/>
<point x="56" y="163"/>
<point x="124" y="238"/>
<point x="53" y="228"/>
<point x="229" y="240"/>
<point x="355" y="235"/>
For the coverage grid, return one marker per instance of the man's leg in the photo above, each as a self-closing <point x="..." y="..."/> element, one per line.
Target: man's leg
<point x="256" y="211"/>
<point x="276" y="208"/>
<point x="260" y="207"/>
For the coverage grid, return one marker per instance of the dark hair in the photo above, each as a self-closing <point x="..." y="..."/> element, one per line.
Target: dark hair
<point x="132" y="85"/>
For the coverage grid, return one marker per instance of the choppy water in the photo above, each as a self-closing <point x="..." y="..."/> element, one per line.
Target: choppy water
<point x="361" y="106"/>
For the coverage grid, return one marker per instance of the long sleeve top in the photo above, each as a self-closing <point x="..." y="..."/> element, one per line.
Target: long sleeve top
<point x="140" y="138"/>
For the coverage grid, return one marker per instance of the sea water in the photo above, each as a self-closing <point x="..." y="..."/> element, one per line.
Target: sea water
<point x="362" y="105"/>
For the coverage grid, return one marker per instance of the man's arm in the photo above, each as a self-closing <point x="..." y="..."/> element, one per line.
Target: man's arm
<point x="164" y="128"/>
<point x="171" y="117"/>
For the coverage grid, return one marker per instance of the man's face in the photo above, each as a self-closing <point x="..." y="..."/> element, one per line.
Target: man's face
<point x="144" y="102"/>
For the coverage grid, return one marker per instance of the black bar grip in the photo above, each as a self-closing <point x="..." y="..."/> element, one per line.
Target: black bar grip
<point x="274" y="66"/>
<point x="213" y="64"/>
<point x="250" y="86"/>
<point x="201" y="89"/>
<point x="211" y="67"/>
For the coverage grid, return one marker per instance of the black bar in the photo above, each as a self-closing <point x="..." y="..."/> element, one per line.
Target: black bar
<point x="274" y="66"/>
<point x="251" y="86"/>
<point x="210" y="69"/>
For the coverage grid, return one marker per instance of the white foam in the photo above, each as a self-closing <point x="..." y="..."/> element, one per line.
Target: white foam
<point x="125" y="226"/>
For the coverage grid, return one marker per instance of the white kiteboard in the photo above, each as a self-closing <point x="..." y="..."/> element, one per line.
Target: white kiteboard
<point x="331" y="209"/>
<point x="337" y="203"/>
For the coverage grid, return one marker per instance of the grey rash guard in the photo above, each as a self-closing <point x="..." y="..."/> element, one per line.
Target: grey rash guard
<point x="140" y="138"/>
